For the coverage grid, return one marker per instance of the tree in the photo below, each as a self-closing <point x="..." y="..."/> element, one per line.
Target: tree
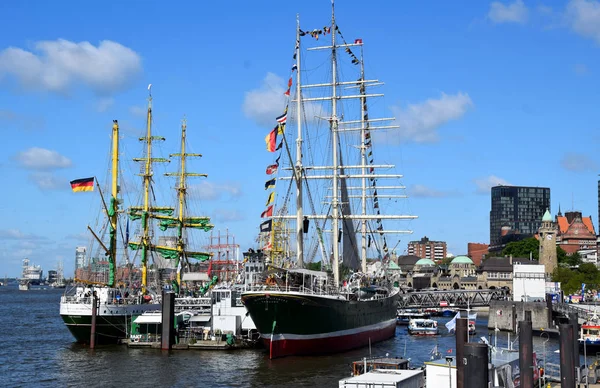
<point x="523" y="248"/>
<point x="564" y="259"/>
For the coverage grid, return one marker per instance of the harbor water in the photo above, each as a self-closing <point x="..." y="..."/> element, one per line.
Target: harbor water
<point x="38" y="350"/>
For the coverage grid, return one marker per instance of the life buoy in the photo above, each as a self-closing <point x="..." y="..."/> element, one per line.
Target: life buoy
<point x="136" y="339"/>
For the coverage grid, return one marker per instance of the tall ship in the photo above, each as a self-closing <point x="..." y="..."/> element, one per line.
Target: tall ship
<point x="323" y="151"/>
<point x="124" y="290"/>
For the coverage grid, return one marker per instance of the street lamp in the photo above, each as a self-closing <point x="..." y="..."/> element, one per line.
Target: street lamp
<point x="449" y="361"/>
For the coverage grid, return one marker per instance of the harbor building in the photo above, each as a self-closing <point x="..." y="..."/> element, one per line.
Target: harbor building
<point x="80" y="253"/>
<point x="516" y="213"/>
<point x="427" y="249"/>
<point x="476" y="251"/>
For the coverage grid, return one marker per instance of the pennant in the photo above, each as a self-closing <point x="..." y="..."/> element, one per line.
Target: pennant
<point x="272" y="169"/>
<point x="85" y="184"/>
<point x="302" y="33"/>
<point x="287" y="93"/>
<point x="269" y="184"/>
<point x="266" y="226"/>
<point x="271" y="140"/>
<point x="280" y="128"/>
<point x="279" y="146"/>
<point x="295" y="67"/>
<point x="283" y="118"/>
<point x="358" y="41"/>
<point x="270" y="199"/>
<point x="267" y="213"/>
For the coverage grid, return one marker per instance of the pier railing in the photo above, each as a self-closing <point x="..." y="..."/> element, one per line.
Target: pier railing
<point x="455" y="298"/>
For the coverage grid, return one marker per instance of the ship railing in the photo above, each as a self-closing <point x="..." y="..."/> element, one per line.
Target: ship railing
<point x="315" y="290"/>
<point x="193" y="301"/>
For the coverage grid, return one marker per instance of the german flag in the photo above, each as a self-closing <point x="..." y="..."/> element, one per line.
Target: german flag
<point x="84" y="184"/>
<point x="271" y="140"/>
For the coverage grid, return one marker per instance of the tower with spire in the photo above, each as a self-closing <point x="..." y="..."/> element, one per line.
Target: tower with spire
<point x="547" y="233"/>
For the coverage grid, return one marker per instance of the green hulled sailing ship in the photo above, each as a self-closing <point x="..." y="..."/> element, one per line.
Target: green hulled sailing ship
<point x="129" y="291"/>
<point x="301" y="311"/>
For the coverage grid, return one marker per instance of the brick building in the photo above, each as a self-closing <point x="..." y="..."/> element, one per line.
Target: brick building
<point x="427" y="249"/>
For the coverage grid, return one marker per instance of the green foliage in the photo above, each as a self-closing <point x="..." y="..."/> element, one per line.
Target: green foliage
<point x="314" y="266"/>
<point x="523" y="248"/>
<point x="446" y="261"/>
<point x="570" y="280"/>
<point x="567" y="260"/>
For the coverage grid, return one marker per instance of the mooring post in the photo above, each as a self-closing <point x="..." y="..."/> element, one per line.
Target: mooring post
<point x="168" y="320"/>
<point x="574" y="321"/>
<point x="461" y="339"/>
<point x="476" y="368"/>
<point x="567" y="366"/>
<point x="526" y="351"/>
<point x="93" y="325"/>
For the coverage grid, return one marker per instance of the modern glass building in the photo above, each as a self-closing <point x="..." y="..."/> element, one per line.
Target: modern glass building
<point x="516" y="213"/>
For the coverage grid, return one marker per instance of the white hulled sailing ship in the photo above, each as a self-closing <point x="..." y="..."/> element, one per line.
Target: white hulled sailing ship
<point x="301" y="311"/>
<point x="130" y="291"/>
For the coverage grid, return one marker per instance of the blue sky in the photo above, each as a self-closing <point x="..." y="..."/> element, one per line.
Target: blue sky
<point x="496" y="92"/>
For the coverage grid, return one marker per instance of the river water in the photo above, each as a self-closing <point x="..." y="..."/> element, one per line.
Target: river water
<point x="38" y="350"/>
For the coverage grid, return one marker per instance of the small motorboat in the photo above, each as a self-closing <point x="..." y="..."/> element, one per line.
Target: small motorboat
<point x="423" y="327"/>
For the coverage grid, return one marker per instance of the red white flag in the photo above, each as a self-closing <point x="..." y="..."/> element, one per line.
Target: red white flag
<point x="357" y="41"/>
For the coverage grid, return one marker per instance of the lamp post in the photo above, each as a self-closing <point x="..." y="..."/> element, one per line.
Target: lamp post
<point x="449" y="361"/>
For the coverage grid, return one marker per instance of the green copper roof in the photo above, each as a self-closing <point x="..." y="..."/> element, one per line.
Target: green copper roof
<point x="425" y="262"/>
<point x="461" y="260"/>
<point x="547" y="217"/>
<point x="393" y="265"/>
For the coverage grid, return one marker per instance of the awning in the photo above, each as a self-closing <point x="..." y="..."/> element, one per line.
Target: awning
<point x="200" y="318"/>
<point x="148" y="319"/>
<point x="195" y="277"/>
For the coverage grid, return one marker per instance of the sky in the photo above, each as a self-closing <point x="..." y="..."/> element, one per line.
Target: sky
<point x="502" y="92"/>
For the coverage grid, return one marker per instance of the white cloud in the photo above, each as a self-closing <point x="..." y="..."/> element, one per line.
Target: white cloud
<point x="37" y="158"/>
<point x="421" y="191"/>
<point x="577" y="162"/>
<point x="16" y="234"/>
<point x="210" y="191"/>
<point x="419" y="122"/>
<point x="484" y="185"/>
<point x="103" y="104"/>
<point x="49" y="181"/>
<point x="583" y="16"/>
<point x="228" y="215"/>
<point x="138" y="111"/>
<point x="59" y="65"/>
<point x="515" y="12"/>
<point x="265" y="103"/>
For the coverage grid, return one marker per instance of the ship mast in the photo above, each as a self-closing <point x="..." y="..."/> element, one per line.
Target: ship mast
<point x="299" y="210"/>
<point x="147" y="175"/>
<point x="334" y="141"/>
<point x="183" y="221"/>
<point x="181" y="196"/>
<point x="363" y="159"/>
<point x="112" y="211"/>
<point x="364" y="170"/>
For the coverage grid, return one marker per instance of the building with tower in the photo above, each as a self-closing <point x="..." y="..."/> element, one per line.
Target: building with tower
<point x="547" y="235"/>
<point x="516" y="213"/>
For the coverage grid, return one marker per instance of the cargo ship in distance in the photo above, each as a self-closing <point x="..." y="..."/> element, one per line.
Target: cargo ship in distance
<point x="299" y="311"/>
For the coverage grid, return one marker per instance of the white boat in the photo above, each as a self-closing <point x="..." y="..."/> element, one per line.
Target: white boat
<point x="24" y="284"/>
<point x="423" y="327"/>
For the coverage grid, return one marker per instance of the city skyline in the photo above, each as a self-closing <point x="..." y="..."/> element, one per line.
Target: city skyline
<point x="499" y="93"/>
